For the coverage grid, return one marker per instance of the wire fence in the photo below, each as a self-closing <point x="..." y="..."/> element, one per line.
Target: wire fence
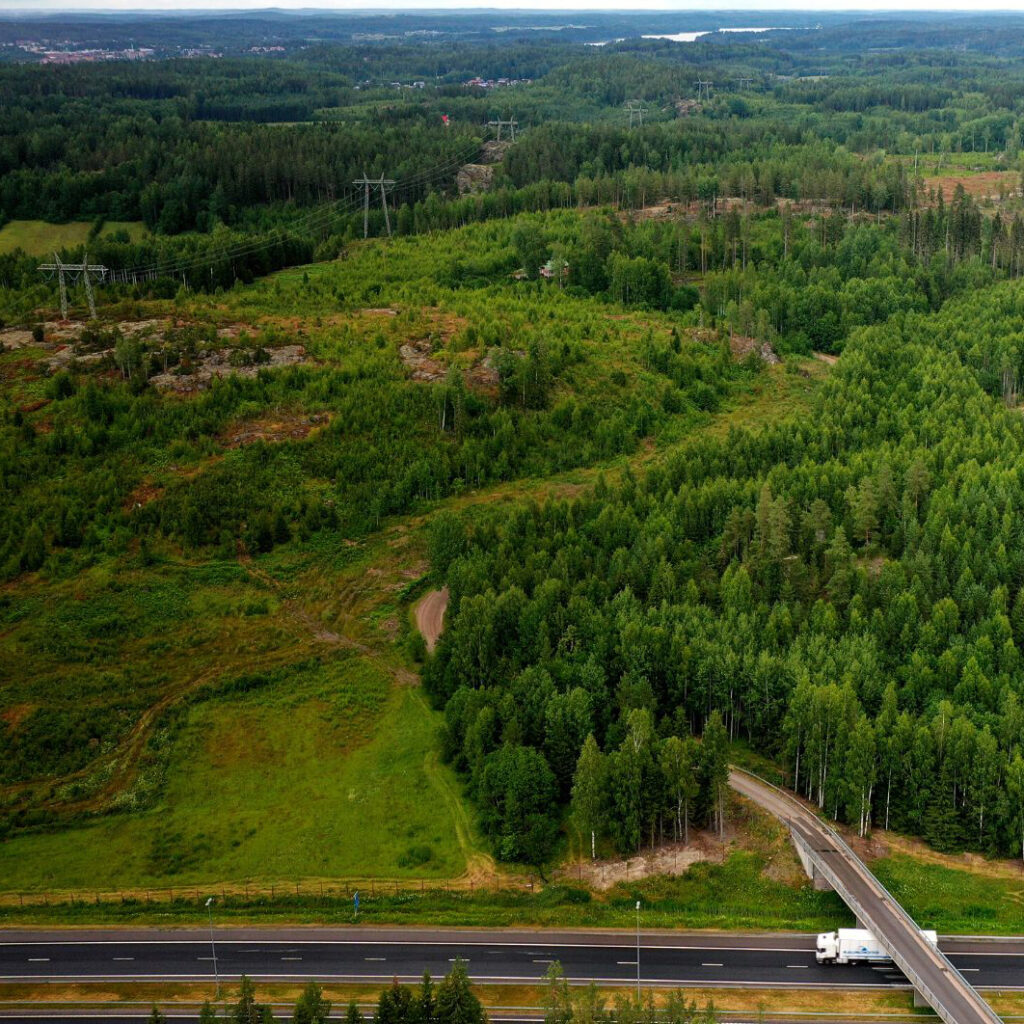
<point x="332" y="891"/>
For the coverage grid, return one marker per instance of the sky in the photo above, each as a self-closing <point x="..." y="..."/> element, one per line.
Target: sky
<point x="12" y="6"/>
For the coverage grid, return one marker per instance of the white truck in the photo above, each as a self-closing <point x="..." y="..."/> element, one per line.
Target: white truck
<point x="855" y="946"/>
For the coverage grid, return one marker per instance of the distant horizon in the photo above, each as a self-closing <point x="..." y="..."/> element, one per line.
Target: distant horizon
<point x="765" y="7"/>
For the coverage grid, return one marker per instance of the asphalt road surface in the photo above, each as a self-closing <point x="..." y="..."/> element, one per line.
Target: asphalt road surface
<point x="950" y="991"/>
<point x="379" y="955"/>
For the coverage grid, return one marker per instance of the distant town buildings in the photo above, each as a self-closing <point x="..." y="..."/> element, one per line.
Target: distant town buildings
<point x="88" y="56"/>
<point x="496" y="83"/>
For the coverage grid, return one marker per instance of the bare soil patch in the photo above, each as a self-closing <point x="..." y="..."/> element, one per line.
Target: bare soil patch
<point x="741" y="346"/>
<point x="12" y="717"/>
<point x="217" y="364"/>
<point x="824" y="357"/>
<point x="669" y="859"/>
<point x="145" y="493"/>
<point x="416" y="355"/>
<point x="984" y="185"/>
<point x="294" y="427"/>
<point x="474" y="178"/>
<point x="430" y="616"/>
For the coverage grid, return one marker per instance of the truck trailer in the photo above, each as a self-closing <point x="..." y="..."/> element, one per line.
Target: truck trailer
<point x="855" y="946"/>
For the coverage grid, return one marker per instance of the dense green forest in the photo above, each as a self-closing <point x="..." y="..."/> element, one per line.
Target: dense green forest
<point x="710" y="424"/>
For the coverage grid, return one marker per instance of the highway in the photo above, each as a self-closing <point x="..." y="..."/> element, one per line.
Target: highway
<point x="379" y="955"/>
<point x="938" y="979"/>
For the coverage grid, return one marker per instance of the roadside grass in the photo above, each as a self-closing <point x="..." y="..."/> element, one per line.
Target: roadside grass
<point x="736" y="894"/>
<point x="852" y="1005"/>
<point x="39" y="238"/>
<point x="324" y="772"/>
<point x="951" y="901"/>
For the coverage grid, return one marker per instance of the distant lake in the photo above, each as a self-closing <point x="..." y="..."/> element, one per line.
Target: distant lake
<point x="689" y="37"/>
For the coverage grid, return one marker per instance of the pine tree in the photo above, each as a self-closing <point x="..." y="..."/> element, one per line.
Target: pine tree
<point x="456" y="1003"/>
<point x="311" y="1007"/>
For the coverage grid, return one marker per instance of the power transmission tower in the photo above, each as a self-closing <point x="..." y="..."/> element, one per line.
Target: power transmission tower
<point x="74" y="272"/>
<point x="744" y="83"/>
<point x="704" y="89"/>
<point x="383" y="184"/>
<point x="510" y="123"/>
<point x="636" y="110"/>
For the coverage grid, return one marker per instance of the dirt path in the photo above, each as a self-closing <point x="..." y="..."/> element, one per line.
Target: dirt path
<point x="480" y="866"/>
<point x="430" y="615"/>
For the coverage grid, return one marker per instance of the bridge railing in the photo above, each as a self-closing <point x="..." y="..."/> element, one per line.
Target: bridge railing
<point x="865" y="915"/>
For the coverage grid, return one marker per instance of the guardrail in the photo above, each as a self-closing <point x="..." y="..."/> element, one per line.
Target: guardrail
<point x="865" y="915"/>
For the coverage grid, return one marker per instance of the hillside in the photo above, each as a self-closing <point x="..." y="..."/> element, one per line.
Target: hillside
<point x="706" y="424"/>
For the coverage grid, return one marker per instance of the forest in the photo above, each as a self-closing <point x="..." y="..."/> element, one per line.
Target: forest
<point x="709" y="421"/>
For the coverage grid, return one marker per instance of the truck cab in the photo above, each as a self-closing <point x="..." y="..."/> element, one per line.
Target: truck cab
<point x="826" y="949"/>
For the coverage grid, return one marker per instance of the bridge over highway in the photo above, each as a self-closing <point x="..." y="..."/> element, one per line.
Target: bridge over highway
<point x="827" y="855"/>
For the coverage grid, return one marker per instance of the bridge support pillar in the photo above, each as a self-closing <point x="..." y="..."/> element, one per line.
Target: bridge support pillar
<point x="818" y="880"/>
<point x="920" y="1001"/>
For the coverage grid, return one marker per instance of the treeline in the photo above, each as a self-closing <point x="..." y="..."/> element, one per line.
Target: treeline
<point x="167" y="143"/>
<point x="843" y="591"/>
<point x="195" y="176"/>
<point x="450" y="1002"/>
<point x="156" y="266"/>
<point x="454" y="1002"/>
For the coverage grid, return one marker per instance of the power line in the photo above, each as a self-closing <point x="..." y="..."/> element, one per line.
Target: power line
<point x="74" y="272"/>
<point x="636" y="109"/>
<point x="510" y="123"/>
<point x="318" y="217"/>
<point x="383" y="184"/>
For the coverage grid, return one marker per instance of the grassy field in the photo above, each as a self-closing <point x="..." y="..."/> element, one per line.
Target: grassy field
<point x="38" y="238"/>
<point x="954" y="901"/>
<point x="327" y="771"/>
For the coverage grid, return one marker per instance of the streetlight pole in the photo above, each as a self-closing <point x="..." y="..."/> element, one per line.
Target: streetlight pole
<point x="638" y="952"/>
<point x="213" y="946"/>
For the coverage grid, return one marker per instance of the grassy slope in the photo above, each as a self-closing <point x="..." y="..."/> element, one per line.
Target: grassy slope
<point x="327" y="772"/>
<point x="39" y="238"/>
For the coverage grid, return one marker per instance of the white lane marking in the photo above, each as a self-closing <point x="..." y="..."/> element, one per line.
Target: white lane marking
<point x="456" y="959"/>
<point x="38" y="959"/>
<point x="712" y="965"/>
<point x="291" y="958"/>
<point x="797" y="967"/>
<point x="881" y="968"/>
<point x="625" y="944"/>
<point x="626" y="963"/>
<point x="969" y="970"/>
<point x="116" y="958"/>
<point x="497" y="980"/>
<point x="543" y="961"/>
<point x="375" y="959"/>
<point x="207" y="958"/>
